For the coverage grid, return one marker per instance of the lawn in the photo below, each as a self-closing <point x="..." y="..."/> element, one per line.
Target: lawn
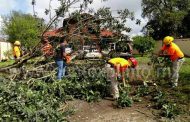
<point x="6" y="63"/>
<point x="184" y="81"/>
<point x="142" y="60"/>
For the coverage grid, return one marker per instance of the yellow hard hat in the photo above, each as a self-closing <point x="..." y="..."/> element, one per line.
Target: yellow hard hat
<point x="17" y="43"/>
<point x="167" y="40"/>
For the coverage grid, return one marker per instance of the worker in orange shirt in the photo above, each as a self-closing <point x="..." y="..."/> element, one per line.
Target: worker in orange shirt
<point x="17" y="50"/>
<point x="116" y="68"/>
<point x="176" y="56"/>
<point x="47" y="48"/>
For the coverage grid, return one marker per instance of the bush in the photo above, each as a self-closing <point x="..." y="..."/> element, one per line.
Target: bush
<point x="170" y="110"/>
<point x="143" y="44"/>
<point x="143" y="91"/>
<point x="124" y="100"/>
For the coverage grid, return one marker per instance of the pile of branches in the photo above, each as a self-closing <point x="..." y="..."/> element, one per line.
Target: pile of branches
<point x="34" y="101"/>
<point x="45" y="99"/>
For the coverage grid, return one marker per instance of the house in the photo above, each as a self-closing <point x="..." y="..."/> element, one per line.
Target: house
<point x="82" y="31"/>
<point x="5" y="49"/>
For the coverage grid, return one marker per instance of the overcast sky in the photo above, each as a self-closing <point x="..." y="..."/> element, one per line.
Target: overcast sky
<point x="6" y="6"/>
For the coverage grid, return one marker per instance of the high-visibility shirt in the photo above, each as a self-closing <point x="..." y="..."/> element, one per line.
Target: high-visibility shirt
<point x="16" y="51"/>
<point x="123" y="62"/>
<point x="174" y="51"/>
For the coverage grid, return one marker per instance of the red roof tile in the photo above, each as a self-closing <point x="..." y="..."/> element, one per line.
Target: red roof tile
<point x="54" y="33"/>
<point x="106" y="33"/>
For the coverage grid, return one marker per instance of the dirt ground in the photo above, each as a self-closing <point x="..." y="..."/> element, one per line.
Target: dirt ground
<point x="106" y="111"/>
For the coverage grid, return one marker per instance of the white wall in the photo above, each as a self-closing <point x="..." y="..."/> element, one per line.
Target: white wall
<point x="4" y="46"/>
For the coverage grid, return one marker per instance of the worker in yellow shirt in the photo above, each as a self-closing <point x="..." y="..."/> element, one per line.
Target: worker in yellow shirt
<point x="116" y="68"/>
<point x="176" y="56"/>
<point x="17" y="50"/>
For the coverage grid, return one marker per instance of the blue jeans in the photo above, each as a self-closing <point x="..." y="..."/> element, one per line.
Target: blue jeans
<point x="61" y="68"/>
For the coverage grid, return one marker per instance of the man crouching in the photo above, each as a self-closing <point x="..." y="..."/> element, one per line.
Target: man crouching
<point x="116" y="68"/>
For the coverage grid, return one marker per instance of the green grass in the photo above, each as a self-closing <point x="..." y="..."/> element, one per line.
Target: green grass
<point x="184" y="81"/>
<point x="142" y="60"/>
<point x="185" y="72"/>
<point x="6" y="63"/>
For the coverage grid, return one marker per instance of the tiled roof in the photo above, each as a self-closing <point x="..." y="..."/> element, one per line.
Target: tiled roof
<point x="58" y="33"/>
<point x="106" y="33"/>
<point x="54" y="33"/>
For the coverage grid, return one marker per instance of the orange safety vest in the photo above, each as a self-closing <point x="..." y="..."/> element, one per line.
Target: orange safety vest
<point x="174" y="51"/>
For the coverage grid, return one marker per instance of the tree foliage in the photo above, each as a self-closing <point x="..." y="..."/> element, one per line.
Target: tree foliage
<point x="165" y="16"/>
<point x="116" y="24"/>
<point x="143" y="44"/>
<point x="38" y="101"/>
<point x="94" y="22"/>
<point x="23" y="27"/>
<point x="185" y="29"/>
<point x="103" y="16"/>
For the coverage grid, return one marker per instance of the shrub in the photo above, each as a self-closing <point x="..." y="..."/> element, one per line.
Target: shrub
<point x="124" y="100"/>
<point x="143" y="91"/>
<point x="167" y="107"/>
<point x="143" y="44"/>
<point x="170" y="110"/>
